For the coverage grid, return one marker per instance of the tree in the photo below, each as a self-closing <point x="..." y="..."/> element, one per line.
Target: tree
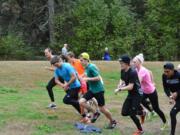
<point x="124" y="26"/>
<point x="50" y="20"/>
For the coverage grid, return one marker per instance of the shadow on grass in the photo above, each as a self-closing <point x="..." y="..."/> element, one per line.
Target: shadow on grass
<point x="4" y="90"/>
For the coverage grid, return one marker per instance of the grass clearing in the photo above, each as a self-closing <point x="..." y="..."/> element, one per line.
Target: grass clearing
<point x="23" y="101"/>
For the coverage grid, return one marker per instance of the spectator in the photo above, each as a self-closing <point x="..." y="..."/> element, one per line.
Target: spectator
<point x="106" y="56"/>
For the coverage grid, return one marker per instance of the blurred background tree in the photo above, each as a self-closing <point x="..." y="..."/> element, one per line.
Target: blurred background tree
<point x="124" y="26"/>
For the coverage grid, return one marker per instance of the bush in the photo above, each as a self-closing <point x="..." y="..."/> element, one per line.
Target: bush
<point x="13" y="47"/>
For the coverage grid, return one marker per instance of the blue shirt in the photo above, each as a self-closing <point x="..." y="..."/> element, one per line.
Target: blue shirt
<point x="65" y="72"/>
<point x="107" y="56"/>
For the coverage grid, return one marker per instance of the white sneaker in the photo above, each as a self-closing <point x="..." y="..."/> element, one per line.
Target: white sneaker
<point x="52" y="106"/>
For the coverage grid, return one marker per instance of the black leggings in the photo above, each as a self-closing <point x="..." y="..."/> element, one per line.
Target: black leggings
<point x="71" y="98"/>
<point x="132" y="107"/>
<point x="49" y="87"/>
<point x="147" y="104"/>
<point x="153" y="97"/>
<point x="173" y="113"/>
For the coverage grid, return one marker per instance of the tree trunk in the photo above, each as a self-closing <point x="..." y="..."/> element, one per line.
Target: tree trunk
<point x="50" y="20"/>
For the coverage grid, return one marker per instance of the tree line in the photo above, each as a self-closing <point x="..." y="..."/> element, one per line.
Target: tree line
<point x="150" y="27"/>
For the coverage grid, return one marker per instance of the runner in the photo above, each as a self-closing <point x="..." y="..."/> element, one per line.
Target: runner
<point x="146" y="102"/>
<point x="51" y="83"/>
<point x="171" y="84"/>
<point x="148" y="87"/>
<point x="76" y="63"/>
<point x="71" y="85"/>
<point x="96" y="90"/>
<point x="129" y="82"/>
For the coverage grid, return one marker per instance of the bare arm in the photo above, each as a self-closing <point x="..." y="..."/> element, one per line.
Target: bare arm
<point x="73" y="78"/>
<point x="59" y="83"/>
<point x="52" y="68"/>
<point x="65" y="85"/>
<point x="121" y="84"/>
<point x="97" y="78"/>
<point x="124" y="88"/>
<point x="129" y="87"/>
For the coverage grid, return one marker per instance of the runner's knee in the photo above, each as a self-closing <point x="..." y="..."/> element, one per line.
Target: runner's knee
<point x="124" y="113"/>
<point x="48" y="87"/>
<point x="82" y="101"/>
<point x="66" y="100"/>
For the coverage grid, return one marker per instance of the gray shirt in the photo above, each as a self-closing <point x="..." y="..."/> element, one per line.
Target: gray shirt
<point x="64" y="51"/>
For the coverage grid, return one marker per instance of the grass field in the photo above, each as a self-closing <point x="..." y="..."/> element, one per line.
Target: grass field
<point x="23" y="101"/>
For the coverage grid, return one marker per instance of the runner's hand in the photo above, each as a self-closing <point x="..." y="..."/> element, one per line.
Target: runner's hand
<point x="171" y="100"/>
<point x="116" y="91"/>
<point x="121" y="85"/>
<point x="174" y="95"/>
<point x="65" y="86"/>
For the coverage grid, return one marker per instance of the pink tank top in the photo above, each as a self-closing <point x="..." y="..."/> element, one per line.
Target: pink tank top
<point x="146" y="83"/>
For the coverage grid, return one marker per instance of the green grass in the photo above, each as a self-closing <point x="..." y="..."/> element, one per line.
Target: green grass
<point x="23" y="101"/>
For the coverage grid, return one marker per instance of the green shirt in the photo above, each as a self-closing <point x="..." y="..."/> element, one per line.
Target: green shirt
<point x="94" y="86"/>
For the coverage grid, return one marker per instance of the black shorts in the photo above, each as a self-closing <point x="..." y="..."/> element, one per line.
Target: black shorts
<point x="98" y="96"/>
<point x="132" y="106"/>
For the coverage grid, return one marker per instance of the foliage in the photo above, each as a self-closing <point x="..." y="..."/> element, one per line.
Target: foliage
<point x="124" y="26"/>
<point x="24" y="99"/>
<point x="13" y="47"/>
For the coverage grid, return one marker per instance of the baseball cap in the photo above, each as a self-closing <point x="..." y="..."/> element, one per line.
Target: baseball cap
<point x="169" y="66"/>
<point x="125" y="58"/>
<point x="85" y="55"/>
<point x="55" y="59"/>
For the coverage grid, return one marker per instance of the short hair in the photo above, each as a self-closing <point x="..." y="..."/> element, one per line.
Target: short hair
<point x="169" y="66"/>
<point x="71" y="54"/>
<point x="49" y="49"/>
<point x="125" y="59"/>
<point x="56" y="59"/>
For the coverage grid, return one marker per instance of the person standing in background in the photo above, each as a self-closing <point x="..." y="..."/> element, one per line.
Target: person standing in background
<point x="106" y="56"/>
<point x="64" y="52"/>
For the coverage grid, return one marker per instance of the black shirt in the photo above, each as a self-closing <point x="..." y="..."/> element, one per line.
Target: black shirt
<point x="172" y="84"/>
<point x="131" y="77"/>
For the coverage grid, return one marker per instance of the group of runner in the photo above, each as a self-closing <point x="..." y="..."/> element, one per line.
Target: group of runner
<point x="81" y="76"/>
